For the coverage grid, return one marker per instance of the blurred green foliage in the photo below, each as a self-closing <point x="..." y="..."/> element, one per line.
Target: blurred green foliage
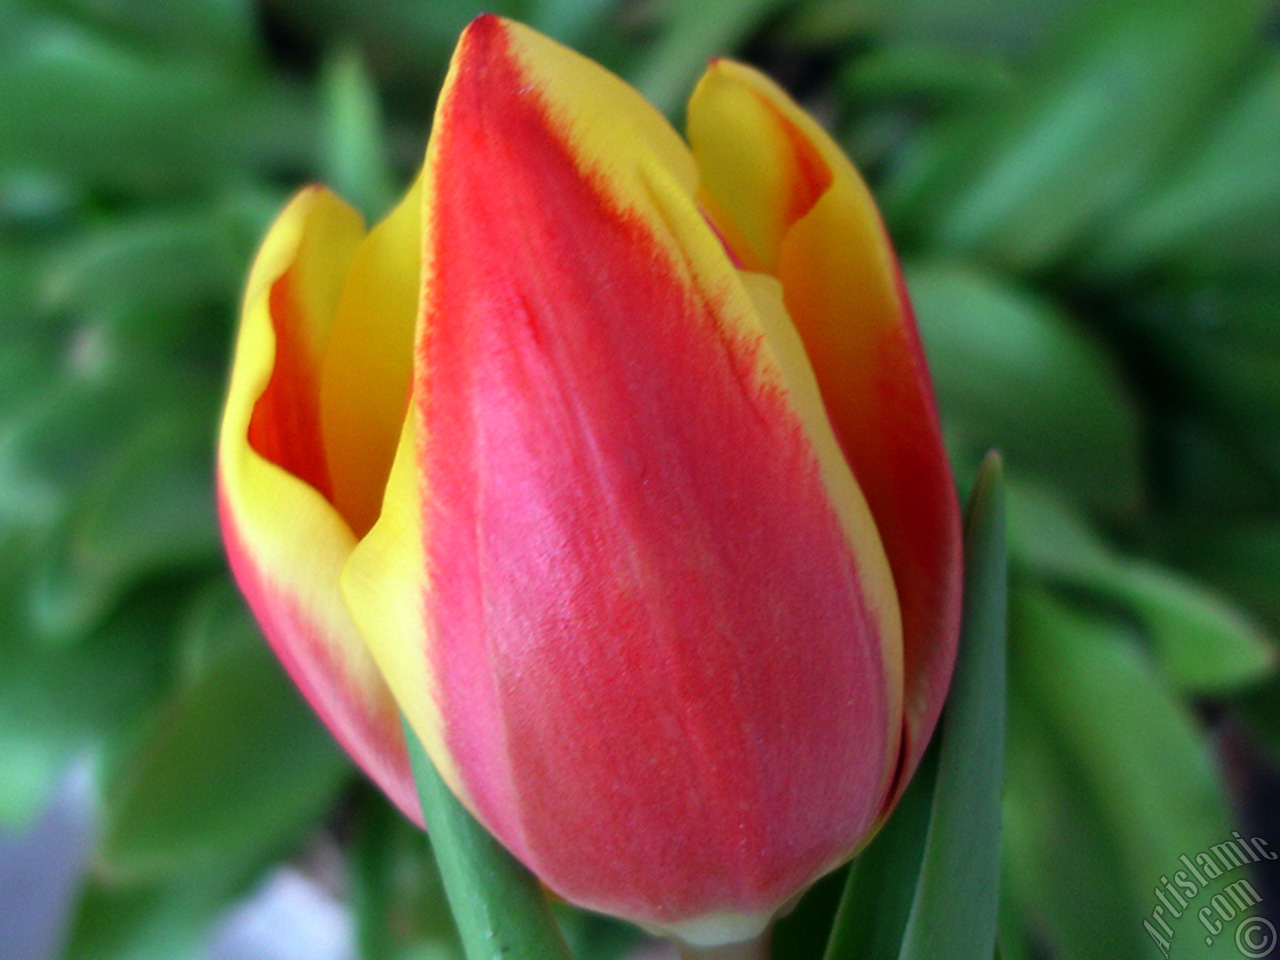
<point x="1084" y="193"/>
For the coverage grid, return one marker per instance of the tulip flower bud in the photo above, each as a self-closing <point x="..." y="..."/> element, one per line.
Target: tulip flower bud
<point x="612" y="462"/>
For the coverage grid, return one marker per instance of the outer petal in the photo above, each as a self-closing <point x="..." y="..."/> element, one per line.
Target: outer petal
<point x="780" y="188"/>
<point x="286" y="542"/>
<point x="620" y="552"/>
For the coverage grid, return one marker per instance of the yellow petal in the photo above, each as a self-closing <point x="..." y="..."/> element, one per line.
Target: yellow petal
<point x="286" y="542"/>
<point x="759" y="176"/>
<point x="368" y="362"/>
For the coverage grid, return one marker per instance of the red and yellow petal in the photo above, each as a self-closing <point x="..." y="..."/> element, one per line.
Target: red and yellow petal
<point x="286" y="541"/>
<point x="623" y="581"/>
<point x="788" y="200"/>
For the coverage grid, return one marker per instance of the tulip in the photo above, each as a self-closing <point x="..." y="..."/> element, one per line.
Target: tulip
<point x="611" y="461"/>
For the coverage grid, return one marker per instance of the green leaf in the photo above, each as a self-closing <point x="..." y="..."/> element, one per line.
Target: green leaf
<point x="1240" y="557"/>
<point x="1022" y="182"/>
<point x="69" y="440"/>
<point x="1204" y="645"/>
<point x="408" y="42"/>
<point x="161" y="261"/>
<point x="32" y="744"/>
<point x="166" y="920"/>
<point x="803" y="932"/>
<point x="878" y="893"/>
<point x="1110" y="782"/>
<point x="354" y="162"/>
<point x="1236" y="310"/>
<point x="695" y="32"/>
<point x="571" y="22"/>
<point x="80" y="109"/>
<point x="499" y="907"/>
<point x="1206" y="476"/>
<point x="37" y="200"/>
<point x="1212" y="209"/>
<point x="26" y="369"/>
<point x="1260" y="710"/>
<point x="59" y="703"/>
<point x="1014" y="938"/>
<point x="1233" y="387"/>
<point x="59" y="443"/>
<point x="937" y="76"/>
<point x="931" y="876"/>
<point x="1001" y="27"/>
<point x="217" y="28"/>
<point x="396" y="894"/>
<point x="151" y="514"/>
<point x="371" y="879"/>
<point x="234" y="766"/>
<point x="596" y="936"/>
<point x="19" y="269"/>
<point x="1055" y="837"/>
<point x="954" y="912"/>
<point x="1013" y="373"/>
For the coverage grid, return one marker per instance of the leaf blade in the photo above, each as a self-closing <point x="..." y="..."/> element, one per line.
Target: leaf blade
<point x="954" y="913"/>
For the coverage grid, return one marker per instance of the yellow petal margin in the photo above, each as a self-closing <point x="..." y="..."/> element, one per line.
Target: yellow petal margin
<point x="368" y="362"/>
<point x="287" y="542"/>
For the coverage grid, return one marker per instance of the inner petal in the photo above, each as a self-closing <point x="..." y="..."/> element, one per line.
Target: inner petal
<point x="342" y="318"/>
<point x="284" y="427"/>
<point x="753" y="196"/>
<point x="368" y="363"/>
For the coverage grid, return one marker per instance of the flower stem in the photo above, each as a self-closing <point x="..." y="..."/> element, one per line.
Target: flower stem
<point x="757" y="949"/>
